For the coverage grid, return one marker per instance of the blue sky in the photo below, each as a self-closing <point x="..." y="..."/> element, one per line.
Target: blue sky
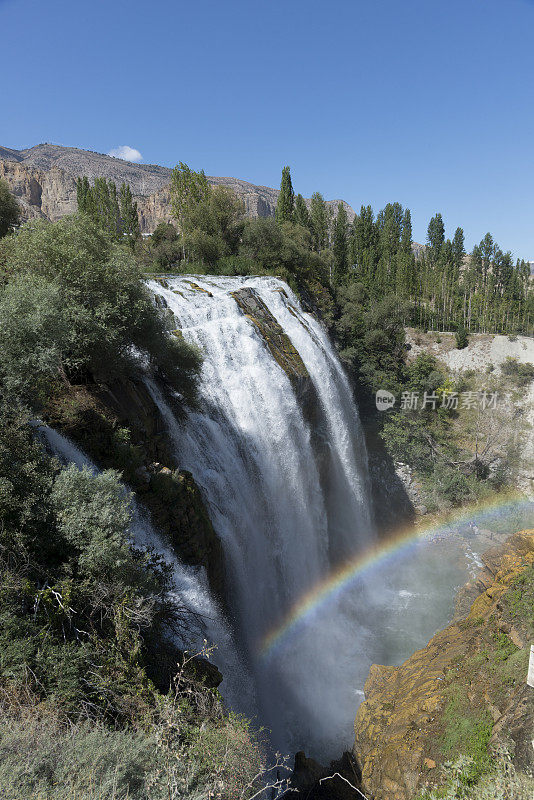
<point x="428" y="102"/>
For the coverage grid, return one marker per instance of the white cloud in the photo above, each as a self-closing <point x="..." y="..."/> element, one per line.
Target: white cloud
<point x="126" y="152"/>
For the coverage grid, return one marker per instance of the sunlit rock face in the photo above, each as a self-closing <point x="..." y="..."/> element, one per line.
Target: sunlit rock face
<point x="403" y="724"/>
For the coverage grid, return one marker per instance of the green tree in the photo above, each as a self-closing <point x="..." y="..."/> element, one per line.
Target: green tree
<point x="128" y="214"/>
<point x="285" y="204"/>
<point x="9" y="209"/>
<point x="188" y="189"/>
<point x="90" y="309"/>
<point x="320" y="221"/>
<point x="458" y="247"/>
<point x="340" y="246"/>
<point x="462" y="338"/>
<point x="302" y="215"/>
<point x="213" y="225"/>
<point x="435" y="235"/>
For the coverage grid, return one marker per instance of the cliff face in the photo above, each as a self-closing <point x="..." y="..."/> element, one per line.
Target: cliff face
<point x="464" y="692"/>
<point x="43" y="179"/>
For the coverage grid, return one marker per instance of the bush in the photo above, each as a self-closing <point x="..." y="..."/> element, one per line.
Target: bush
<point x="521" y="374"/>
<point x="450" y="484"/>
<point x="74" y="303"/>
<point x="42" y="759"/>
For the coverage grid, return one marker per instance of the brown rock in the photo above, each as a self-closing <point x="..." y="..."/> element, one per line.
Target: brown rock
<point x="399" y="726"/>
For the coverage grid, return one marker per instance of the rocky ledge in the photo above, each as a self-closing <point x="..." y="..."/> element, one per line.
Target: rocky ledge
<point x="464" y="693"/>
<point x="274" y="336"/>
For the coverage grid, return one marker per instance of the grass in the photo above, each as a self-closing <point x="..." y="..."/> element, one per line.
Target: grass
<point x="467" y="732"/>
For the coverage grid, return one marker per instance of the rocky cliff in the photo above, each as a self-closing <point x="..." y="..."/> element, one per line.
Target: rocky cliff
<point x="465" y="692"/>
<point x="43" y="179"/>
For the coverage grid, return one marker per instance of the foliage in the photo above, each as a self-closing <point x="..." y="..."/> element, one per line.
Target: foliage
<point x="285" y="204"/>
<point x="188" y="189"/>
<point x="320" y="222"/>
<point x="302" y="215"/>
<point x="520" y="374"/>
<point x="9" y="209"/>
<point x="71" y="582"/>
<point x="501" y="782"/>
<point x="519" y="600"/>
<point x="162" y="251"/>
<point x="189" y="749"/>
<point x="73" y="303"/>
<point x="467" y="733"/>
<point x="43" y="759"/>
<point x="340" y="244"/>
<point x="462" y="338"/>
<point x="371" y="337"/>
<point x="115" y="211"/>
<point x="212" y="226"/>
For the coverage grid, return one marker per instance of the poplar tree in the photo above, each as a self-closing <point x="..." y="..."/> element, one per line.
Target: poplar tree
<point x="128" y="212"/>
<point x="188" y="190"/>
<point x="319" y="221"/>
<point x="285" y="204"/>
<point x="435" y="235"/>
<point x="458" y="247"/>
<point x="302" y="215"/>
<point x="406" y="235"/>
<point x="101" y="203"/>
<point x="340" y="247"/>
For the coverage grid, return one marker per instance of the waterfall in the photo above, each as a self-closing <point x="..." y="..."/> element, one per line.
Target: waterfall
<point x="190" y="587"/>
<point x="282" y="465"/>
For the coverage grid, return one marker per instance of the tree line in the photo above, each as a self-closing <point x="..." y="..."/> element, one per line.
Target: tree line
<point x="440" y="288"/>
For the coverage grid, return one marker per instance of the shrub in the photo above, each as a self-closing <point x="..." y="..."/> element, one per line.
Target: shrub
<point x="74" y="303"/>
<point x="520" y="374"/>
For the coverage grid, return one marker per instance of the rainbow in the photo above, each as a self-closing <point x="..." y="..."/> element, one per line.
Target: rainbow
<point x="503" y="508"/>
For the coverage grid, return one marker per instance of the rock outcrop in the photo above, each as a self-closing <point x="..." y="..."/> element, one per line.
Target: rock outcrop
<point x="469" y="682"/>
<point x="43" y="179"/>
<point x="274" y="336"/>
<point x="119" y="426"/>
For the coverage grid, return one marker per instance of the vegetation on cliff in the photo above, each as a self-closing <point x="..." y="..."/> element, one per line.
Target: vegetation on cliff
<point x="9" y="209"/>
<point x="72" y="303"/>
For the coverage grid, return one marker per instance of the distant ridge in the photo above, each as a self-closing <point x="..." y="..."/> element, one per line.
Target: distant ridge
<point x="43" y="178"/>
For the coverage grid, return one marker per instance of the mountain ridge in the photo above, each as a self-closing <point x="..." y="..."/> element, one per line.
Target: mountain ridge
<point x="43" y="179"/>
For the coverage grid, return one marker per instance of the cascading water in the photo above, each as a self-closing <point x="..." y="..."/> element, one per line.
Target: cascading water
<point x="190" y="590"/>
<point x="287" y="492"/>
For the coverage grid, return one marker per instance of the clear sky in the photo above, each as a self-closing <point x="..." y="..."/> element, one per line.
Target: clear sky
<point x="425" y="102"/>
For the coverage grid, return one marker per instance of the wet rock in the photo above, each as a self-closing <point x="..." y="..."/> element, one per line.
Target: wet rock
<point x="272" y="333"/>
<point x="340" y="781"/>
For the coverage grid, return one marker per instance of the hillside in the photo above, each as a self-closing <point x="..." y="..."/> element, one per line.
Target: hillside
<point x="43" y="179"/>
<point x="464" y="692"/>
